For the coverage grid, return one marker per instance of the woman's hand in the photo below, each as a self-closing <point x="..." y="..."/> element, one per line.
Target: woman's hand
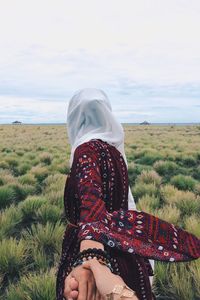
<point x="104" y="278"/>
<point x="80" y="285"/>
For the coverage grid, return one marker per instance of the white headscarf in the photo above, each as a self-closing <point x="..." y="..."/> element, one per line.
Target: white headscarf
<point x="90" y="116"/>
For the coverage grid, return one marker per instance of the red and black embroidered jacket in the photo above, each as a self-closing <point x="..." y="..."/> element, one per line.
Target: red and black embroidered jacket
<point x="95" y="199"/>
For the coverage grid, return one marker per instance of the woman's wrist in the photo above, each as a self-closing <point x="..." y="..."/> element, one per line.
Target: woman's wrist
<point x="85" y="244"/>
<point x="93" y="253"/>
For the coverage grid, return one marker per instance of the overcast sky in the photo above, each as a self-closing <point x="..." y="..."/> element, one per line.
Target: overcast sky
<point x="144" y="54"/>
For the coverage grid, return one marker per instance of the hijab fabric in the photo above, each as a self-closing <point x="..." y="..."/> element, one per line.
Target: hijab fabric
<point x="89" y="116"/>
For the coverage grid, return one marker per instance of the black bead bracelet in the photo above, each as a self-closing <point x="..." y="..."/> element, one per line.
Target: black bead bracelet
<point x="101" y="255"/>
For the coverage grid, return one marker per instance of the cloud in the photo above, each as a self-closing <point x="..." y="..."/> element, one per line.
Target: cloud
<point x="33" y="110"/>
<point x="144" y="54"/>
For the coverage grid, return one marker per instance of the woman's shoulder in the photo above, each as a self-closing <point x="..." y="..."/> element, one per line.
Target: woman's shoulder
<point x="85" y="148"/>
<point x="92" y="147"/>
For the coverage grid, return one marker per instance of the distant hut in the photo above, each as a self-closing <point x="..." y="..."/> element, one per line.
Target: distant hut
<point x="145" y="123"/>
<point x="16" y="122"/>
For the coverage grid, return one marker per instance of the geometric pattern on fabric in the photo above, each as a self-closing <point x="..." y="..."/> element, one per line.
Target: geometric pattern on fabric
<point x="96" y="207"/>
<point x="142" y="234"/>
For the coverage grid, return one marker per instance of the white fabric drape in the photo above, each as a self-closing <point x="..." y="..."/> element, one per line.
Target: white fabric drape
<point x="90" y="116"/>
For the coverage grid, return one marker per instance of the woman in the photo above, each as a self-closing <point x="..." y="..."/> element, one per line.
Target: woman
<point x="101" y="210"/>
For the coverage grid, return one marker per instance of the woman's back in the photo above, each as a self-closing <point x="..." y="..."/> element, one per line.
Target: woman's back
<point x="106" y="168"/>
<point x="98" y="179"/>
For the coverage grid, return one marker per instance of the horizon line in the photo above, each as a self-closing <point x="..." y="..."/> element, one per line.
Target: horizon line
<point x="139" y="123"/>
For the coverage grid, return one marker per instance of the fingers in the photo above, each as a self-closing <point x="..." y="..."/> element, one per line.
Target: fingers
<point x="67" y="288"/>
<point x="73" y="283"/>
<point x="96" y="268"/>
<point x="91" y="287"/>
<point x="86" y="264"/>
<point x="98" y="296"/>
<point x="82" y="291"/>
<point x="73" y="294"/>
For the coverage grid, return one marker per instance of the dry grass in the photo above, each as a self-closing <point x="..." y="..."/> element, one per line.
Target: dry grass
<point x="164" y="174"/>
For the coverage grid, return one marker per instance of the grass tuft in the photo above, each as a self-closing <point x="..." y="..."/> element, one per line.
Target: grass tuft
<point x="148" y="203"/>
<point x="34" y="287"/>
<point x="149" y="177"/>
<point x="169" y="213"/>
<point x="10" y="220"/>
<point x="141" y="189"/>
<point x="13" y="258"/>
<point x="183" y="182"/>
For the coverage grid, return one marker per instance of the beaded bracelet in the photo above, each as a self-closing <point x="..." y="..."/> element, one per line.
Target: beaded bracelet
<point x="91" y="251"/>
<point x="80" y="262"/>
<point x="101" y="255"/>
<point x="94" y="250"/>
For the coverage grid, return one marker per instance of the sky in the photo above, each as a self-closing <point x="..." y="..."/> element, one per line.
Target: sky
<point x="145" y="54"/>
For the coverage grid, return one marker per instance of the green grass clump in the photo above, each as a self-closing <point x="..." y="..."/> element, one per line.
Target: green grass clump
<point x="47" y="238"/>
<point x="63" y="168"/>
<point x="192" y="224"/>
<point x="7" y="150"/>
<point x="141" y="189"/>
<point x="10" y="220"/>
<point x="12" y="162"/>
<point x="19" y="152"/>
<point x="197" y="189"/>
<point x="134" y="170"/>
<point x="169" y="213"/>
<point x="39" y="172"/>
<point x="188" y="161"/>
<point x="176" y="281"/>
<point x="169" y="193"/>
<point x="4" y="164"/>
<point x="148" y="203"/>
<point x="29" y="208"/>
<point x="46" y="158"/>
<point x="7" y="177"/>
<point x="54" y="182"/>
<point x="49" y="213"/>
<point x="40" y="259"/>
<point x="183" y="182"/>
<point x="53" y="189"/>
<point x="188" y="204"/>
<point x="7" y="196"/>
<point x="23" y="168"/>
<point x="149" y="157"/>
<point x="161" y="277"/>
<point x="149" y="177"/>
<point x="20" y="191"/>
<point x="34" y="287"/>
<point x="181" y="287"/>
<point x="166" y="168"/>
<point x="195" y="270"/>
<point x="13" y="258"/>
<point x="27" y="179"/>
<point x="196" y="173"/>
<point x="186" y="201"/>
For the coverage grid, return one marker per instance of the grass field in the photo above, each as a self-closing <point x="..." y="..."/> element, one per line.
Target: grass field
<point x="164" y="175"/>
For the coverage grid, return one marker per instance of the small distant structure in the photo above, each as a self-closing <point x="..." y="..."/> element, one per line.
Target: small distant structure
<point x="145" y="123"/>
<point x="16" y="122"/>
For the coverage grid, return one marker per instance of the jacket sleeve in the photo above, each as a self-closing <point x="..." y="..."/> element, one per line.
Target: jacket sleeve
<point x="130" y="231"/>
<point x="89" y="185"/>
